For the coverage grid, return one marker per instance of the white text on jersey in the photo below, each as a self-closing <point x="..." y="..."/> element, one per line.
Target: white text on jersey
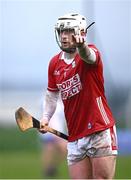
<point x="70" y="87"/>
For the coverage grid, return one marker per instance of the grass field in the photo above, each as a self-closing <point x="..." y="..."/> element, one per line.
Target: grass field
<point x="20" y="157"/>
<point x="25" y="165"/>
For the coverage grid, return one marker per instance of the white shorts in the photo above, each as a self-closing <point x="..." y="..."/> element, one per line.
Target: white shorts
<point x="99" y="144"/>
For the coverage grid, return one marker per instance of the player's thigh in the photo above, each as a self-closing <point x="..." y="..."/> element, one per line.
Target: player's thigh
<point x="103" y="167"/>
<point x="81" y="169"/>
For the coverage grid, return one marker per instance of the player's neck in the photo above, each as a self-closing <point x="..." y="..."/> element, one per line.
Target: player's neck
<point x="69" y="55"/>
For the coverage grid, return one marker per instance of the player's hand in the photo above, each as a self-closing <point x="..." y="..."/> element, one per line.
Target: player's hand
<point x="43" y="126"/>
<point x="78" y="40"/>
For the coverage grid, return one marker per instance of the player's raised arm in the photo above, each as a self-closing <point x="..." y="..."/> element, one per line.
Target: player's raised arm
<point x="86" y="53"/>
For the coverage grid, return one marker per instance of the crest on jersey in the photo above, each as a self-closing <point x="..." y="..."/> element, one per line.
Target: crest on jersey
<point x="56" y="73"/>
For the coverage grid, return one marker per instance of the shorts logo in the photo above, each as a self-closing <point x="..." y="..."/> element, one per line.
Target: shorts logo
<point x="70" y="87"/>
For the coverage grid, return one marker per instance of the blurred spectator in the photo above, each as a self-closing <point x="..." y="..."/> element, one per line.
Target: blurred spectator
<point x="53" y="148"/>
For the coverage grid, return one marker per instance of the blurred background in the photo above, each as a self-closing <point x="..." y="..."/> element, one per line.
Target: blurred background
<point x="27" y="43"/>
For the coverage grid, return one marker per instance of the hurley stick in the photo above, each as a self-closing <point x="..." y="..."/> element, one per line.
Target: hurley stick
<point x="25" y="121"/>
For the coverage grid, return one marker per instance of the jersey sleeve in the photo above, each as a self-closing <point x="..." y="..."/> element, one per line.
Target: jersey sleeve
<point x="51" y="78"/>
<point x="97" y="53"/>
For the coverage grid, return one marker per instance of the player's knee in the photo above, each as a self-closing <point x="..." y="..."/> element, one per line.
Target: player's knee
<point x="103" y="175"/>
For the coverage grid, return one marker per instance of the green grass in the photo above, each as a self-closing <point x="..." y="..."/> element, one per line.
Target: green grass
<point x="123" y="167"/>
<point x="25" y="165"/>
<point x="20" y="165"/>
<point x="20" y="157"/>
<point x="12" y="139"/>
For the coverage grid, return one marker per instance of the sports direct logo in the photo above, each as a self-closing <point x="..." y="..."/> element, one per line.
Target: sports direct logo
<point x="70" y="87"/>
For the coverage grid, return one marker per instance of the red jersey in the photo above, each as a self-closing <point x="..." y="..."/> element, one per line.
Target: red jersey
<point x="82" y="91"/>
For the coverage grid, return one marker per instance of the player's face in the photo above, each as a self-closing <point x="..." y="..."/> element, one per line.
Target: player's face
<point x="66" y="38"/>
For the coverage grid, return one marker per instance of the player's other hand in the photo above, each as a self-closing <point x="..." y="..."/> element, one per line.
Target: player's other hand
<point x="79" y="40"/>
<point x="43" y="126"/>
